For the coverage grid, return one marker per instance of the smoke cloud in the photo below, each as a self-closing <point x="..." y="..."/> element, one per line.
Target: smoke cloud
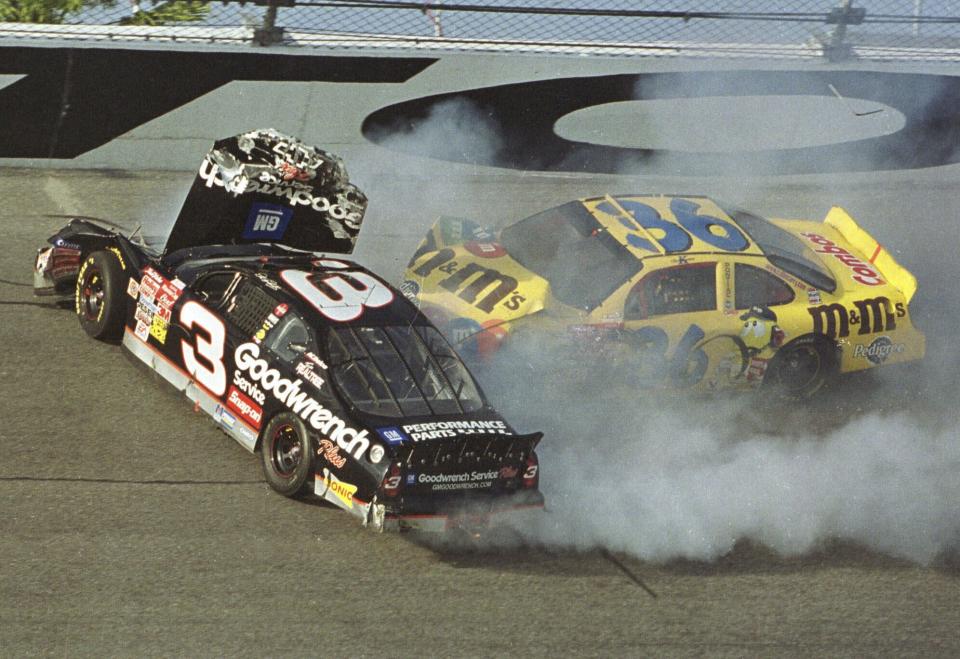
<point x="689" y="482"/>
<point x="662" y="476"/>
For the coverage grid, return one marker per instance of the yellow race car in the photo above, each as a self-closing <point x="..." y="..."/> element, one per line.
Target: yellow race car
<point x="673" y="290"/>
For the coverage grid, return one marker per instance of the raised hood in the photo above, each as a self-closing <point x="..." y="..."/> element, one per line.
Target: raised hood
<point x="263" y="186"/>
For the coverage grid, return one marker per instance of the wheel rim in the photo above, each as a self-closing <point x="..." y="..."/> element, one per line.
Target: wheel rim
<point x="285" y="451"/>
<point x="800" y="368"/>
<point x="91" y="295"/>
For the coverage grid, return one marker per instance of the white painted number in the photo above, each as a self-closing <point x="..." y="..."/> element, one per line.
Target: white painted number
<point x="344" y="295"/>
<point x="212" y="374"/>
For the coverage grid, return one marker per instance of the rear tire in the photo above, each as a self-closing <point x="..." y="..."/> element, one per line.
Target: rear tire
<point x="803" y="367"/>
<point x="100" y="296"/>
<point x="286" y="455"/>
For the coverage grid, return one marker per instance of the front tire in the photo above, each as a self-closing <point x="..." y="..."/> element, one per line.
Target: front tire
<point x="286" y="455"/>
<point x="803" y="367"/>
<point x="100" y="296"/>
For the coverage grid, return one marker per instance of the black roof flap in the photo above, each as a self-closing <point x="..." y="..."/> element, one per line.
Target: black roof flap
<point x="263" y="186"/>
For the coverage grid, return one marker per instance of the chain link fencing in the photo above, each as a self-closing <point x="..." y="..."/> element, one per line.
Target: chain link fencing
<point x="832" y="29"/>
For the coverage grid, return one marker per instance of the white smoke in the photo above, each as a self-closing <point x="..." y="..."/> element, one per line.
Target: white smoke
<point x="455" y="130"/>
<point x="679" y="488"/>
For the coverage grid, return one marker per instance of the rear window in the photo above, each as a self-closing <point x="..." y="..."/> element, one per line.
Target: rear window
<point x="785" y="250"/>
<point x="400" y="371"/>
<point x="570" y="249"/>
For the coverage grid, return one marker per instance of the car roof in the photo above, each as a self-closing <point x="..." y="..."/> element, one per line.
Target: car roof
<point x="672" y="225"/>
<point x="266" y="264"/>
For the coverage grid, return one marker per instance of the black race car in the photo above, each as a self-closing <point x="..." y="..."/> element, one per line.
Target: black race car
<point x="345" y="389"/>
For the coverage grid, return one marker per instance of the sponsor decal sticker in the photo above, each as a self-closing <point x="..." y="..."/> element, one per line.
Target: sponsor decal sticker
<point x="727" y="276"/>
<point x="331" y="453"/>
<point x="315" y="360"/>
<point x="473" y="283"/>
<point x="344" y="491"/>
<point x="133" y="288"/>
<point x="267" y="221"/>
<point x="223" y="417"/>
<point x="757" y="369"/>
<point x="305" y="370"/>
<point x="43" y="259"/>
<point x="783" y="274"/>
<point x="485" y="250"/>
<point x="289" y="392"/>
<point x="149" y="289"/>
<point x="143" y="313"/>
<point x="248" y="388"/>
<point x="295" y="193"/>
<point x="862" y="272"/>
<point x="268" y="324"/>
<point x="813" y="296"/>
<point x="873" y="315"/>
<point x="410" y="289"/>
<point x="392" y="435"/>
<point x="248" y="410"/>
<point x="167" y="296"/>
<point x="412" y="478"/>
<point x="154" y="275"/>
<point x="470" y="480"/>
<point x="438" y="429"/>
<point x="142" y="330"/>
<point x="878" y="350"/>
<point x="158" y="329"/>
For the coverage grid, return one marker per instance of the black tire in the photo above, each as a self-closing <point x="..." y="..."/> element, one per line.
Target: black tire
<point x="286" y="454"/>
<point x="100" y="296"/>
<point x="802" y="367"/>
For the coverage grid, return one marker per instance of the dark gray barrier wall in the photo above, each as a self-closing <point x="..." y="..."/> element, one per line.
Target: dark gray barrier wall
<point x="143" y="108"/>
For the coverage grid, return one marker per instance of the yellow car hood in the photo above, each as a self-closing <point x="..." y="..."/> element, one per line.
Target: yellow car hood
<point x="461" y="272"/>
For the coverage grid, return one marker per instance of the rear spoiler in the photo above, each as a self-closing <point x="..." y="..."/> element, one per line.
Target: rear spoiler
<point x="879" y="257"/>
<point x="465" y="451"/>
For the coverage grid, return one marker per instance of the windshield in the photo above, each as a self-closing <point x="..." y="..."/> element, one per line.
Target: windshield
<point x="570" y="249"/>
<point x="785" y="250"/>
<point x="401" y="371"/>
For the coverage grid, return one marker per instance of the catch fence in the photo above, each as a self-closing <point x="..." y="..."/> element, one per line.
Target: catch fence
<point x="831" y="29"/>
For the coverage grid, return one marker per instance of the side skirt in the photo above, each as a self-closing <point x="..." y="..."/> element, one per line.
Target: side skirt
<point x="230" y="423"/>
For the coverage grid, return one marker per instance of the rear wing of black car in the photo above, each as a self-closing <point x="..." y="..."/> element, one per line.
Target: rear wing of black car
<point x="263" y="186"/>
<point x="469" y="451"/>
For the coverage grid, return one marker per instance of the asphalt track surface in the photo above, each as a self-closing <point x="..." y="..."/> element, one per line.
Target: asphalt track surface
<point x="132" y="527"/>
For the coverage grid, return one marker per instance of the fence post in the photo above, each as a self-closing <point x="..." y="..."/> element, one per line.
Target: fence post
<point x="269" y="34"/>
<point x="835" y="48"/>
